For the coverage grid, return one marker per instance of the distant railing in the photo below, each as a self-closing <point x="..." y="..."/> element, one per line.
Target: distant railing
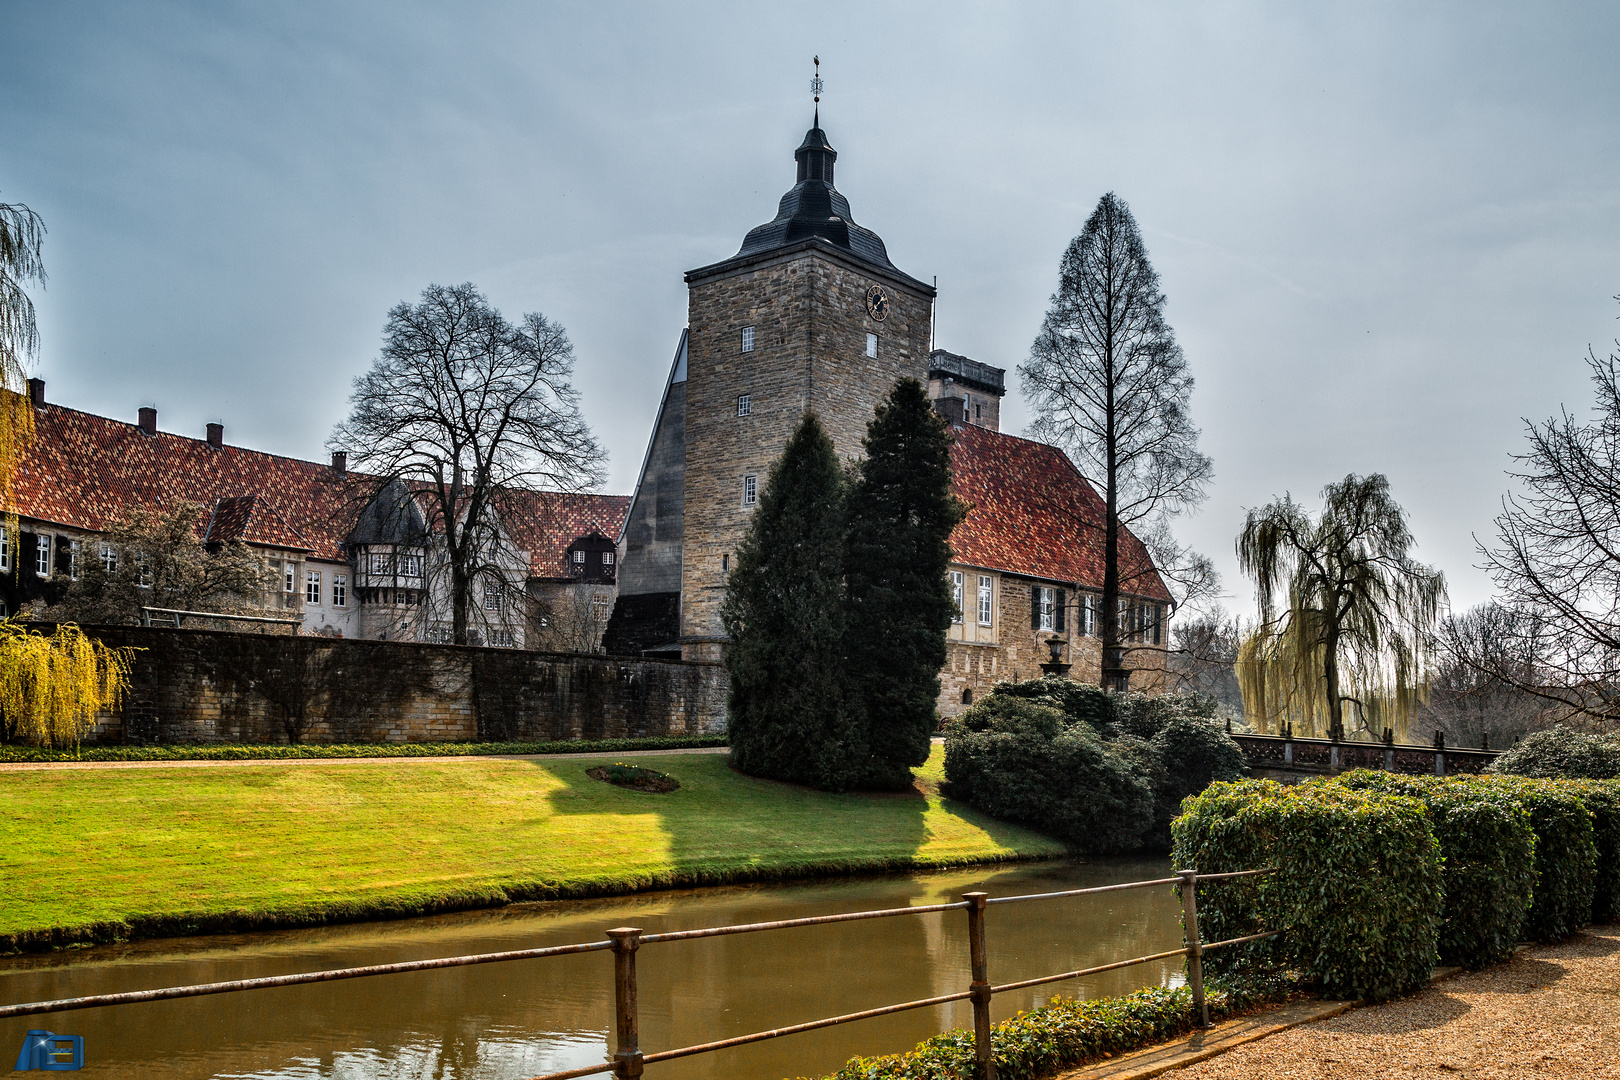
<point x="1288" y="751"/>
<point x="628" y="1060"/>
<point x="172" y="617"/>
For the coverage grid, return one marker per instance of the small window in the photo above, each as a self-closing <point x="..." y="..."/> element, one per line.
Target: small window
<point x="1088" y="615"/>
<point x="143" y="571"/>
<point x="312" y="587"/>
<point x="725" y="563"/>
<point x="109" y="558"/>
<point x="410" y="565"/>
<point x="871" y="345"/>
<point x="289" y="576"/>
<point x="340" y="590"/>
<point x="967" y="696"/>
<point x="1047" y="598"/>
<point x="748" y="339"/>
<point x="42" y="555"/>
<point x="379" y="564"/>
<point x="492" y="593"/>
<point x="750" y="490"/>
<point x="502" y="639"/>
<point x="73" y="559"/>
<point x="956" y="596"/>
<point x="745" y="404"/>
<point x="607" y="558"/>
<point x="986" y="594"/>
<point x="5" y="549"/>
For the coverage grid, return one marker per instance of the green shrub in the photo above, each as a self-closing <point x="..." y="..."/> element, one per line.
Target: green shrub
<point x="1358" y="889"/>
<point x="1145" y="715"/>
<point x="1489" y="843"/>
<point x="1077" y="701"/>
<point x="1064" y="1033"/>
<point x="1561" y="753"/>
<point x="1566" y="854"/>
<point x="1602" y="799"/>
<point x="1020" y="760"/>
<point x="1192" y="753"/>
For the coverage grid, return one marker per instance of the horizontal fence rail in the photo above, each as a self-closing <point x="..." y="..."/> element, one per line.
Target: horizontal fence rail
<point x="628" y="1060"/>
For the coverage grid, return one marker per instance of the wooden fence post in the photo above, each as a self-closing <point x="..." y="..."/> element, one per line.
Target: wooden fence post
<point x="1195" y="948"/>
<point x="627" y="1058"/>
<point x="984" y="1059"/>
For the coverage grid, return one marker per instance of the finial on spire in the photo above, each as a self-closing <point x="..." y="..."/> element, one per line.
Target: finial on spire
<point x="815" y="89"/>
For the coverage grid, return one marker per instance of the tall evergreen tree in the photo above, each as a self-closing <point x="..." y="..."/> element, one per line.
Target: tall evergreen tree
<point x="898" y="603"/>
<point x="784" y="613"/>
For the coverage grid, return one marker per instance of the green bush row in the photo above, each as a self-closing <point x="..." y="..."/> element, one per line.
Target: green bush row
<point x="238" y="752"/>
<point x="1065" y="1033"/>
<point x="1358" y="886"/>
<point x="1103" y="775"/>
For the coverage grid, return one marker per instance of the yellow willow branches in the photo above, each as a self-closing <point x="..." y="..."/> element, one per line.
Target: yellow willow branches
<point x="52" y="687"/>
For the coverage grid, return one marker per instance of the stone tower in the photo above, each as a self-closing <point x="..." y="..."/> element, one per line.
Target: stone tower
<point x="809" y="314"/>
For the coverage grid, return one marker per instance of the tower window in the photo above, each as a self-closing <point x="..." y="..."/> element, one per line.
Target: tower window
<point x="748" y="339"/>
<point x="871" y="345"/>
<point x="750" y="490"/>
<point x="745" y="404"/>
<point x="607" y="558"/>
<point x="725" y="563"/>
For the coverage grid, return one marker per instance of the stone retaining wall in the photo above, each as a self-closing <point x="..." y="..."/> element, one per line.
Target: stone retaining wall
<point x="201" y="686"/>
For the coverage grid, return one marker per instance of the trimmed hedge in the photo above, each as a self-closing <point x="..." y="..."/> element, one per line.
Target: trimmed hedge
<point x="1602" y="798"/>
<point x="1566" y="855"/>
<point x="1020" y="760"/>
<point x="1489" y="844"/>
<point x="1065" y="1033"/>
<point x="1359" y="888"/>
<point x="240" y="752"/>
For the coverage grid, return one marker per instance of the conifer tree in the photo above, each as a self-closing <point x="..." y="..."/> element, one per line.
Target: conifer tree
<point x="898" y="603"/>
<point x="784" y="613"/>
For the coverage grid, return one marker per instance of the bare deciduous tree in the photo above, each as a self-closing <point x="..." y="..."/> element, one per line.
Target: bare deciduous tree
<point x="1108" y="384"/>
<point x="21" y="233"/>
<point x="1483" y="657"/>
<point x="463" y="407"/>
<point x="1203" y="658"/>
<point x="1557" y="553"/>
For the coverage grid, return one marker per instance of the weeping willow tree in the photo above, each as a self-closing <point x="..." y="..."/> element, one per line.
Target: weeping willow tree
<point x="52" y="686"/>
<point x="21" y="231"/>
<point x="1346" y="615"/>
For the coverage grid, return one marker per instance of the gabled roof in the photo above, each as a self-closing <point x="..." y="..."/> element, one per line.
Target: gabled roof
<point x="83" y="471"/>
<point x="545" y="522"/>
<point x="1030" y="512"/>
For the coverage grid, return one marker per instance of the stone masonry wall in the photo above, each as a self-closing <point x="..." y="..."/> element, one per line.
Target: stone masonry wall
<point x="809" y="314"/>
<point x="192" y="686"/>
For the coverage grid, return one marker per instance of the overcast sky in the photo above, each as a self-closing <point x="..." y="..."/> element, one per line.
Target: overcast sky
<point x="1387" y="231"/>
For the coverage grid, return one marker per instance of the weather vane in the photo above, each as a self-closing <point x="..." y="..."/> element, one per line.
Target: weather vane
<point x="815" y="88"/>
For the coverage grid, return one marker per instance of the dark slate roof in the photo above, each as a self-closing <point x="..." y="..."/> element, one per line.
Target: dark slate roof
<point x="1031" y="513"/>
<point x="991" y="380"/>
<point x="814" y="210"/>
<point x="392" y="517"/>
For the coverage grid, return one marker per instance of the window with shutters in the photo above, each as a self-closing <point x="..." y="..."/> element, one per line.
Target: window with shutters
<point x="956" y="596"/>
<point x="1046" y="608"/>
<point x="1088" y="615"/>
<point x="42" y="555"/>
<point x="985" y="597"/>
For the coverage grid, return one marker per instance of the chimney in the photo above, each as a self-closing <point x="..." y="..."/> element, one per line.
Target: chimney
<point x="216" y="436"/>
<point x="148" y="421"/>
<point x="36" y="393"/>
<point x="340" y="461"/>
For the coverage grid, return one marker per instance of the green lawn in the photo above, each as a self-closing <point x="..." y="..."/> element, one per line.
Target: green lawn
<point x="98" y="854"/>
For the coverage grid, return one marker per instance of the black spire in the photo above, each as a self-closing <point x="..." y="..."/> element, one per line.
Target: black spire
<point x="813" y="208"/>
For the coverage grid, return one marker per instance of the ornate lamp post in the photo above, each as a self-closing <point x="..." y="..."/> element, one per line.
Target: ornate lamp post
<point x="1056" y="666"/>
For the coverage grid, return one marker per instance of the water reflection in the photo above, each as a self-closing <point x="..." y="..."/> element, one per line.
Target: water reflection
<point x="517" y="1020"/>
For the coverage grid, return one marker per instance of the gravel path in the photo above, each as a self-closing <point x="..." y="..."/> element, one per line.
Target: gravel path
<point x="29" y="766"/>
<point x="1554" y="1011"/>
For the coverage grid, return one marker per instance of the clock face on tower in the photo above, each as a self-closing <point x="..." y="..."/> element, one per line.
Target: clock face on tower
<point x="877" y="303"/>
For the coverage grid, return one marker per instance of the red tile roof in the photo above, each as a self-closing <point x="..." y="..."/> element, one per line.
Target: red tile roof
<point x="1030" y="512"/>
<point x="83" y="471"/>
<point x="546" y="522"/>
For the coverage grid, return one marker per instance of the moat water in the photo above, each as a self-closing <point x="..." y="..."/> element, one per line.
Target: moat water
<point x="512" y="1021"/>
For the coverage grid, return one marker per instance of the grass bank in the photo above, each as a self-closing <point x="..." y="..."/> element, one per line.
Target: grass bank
<point x="239" y="752"/>
<point x="104" y="855"/>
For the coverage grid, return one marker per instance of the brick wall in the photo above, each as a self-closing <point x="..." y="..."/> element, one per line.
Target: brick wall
<point x="206" y="686"/>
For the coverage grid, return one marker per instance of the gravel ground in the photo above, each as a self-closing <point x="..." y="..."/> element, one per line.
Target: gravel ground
<point x="1554" y="1011"/>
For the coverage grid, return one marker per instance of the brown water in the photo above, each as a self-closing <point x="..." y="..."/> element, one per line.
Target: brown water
<point x="516" y="1020"/>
